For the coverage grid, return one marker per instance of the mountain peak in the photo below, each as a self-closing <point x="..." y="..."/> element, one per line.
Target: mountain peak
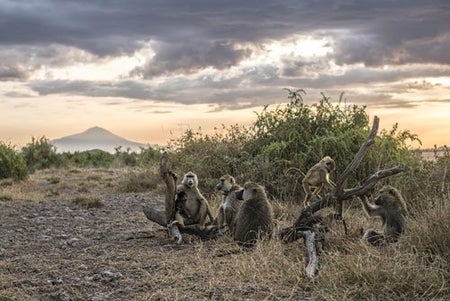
<point x="94" y="138"/>
<point x="97" y="130"/>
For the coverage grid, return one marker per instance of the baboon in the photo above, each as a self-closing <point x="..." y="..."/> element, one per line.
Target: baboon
<point x="230" y="202"/>
<point x="190" y="205"/>
<point x="318" y="178"/>
<point x="391" y="207"/>
<point x="254" y="219"/>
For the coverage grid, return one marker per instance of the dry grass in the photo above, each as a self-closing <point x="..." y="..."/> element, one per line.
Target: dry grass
<point x="80" y="239"/>
<point x="88" y="202"/>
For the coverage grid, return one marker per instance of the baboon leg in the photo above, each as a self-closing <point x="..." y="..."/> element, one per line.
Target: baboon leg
<point x="202" y="214"/>
<point x="179" y="219"/>
<point x="220" y="218"/>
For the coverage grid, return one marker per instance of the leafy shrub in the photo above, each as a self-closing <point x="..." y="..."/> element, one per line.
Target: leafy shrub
<point x="293" y="135"/>
<point x="125" y="158"/>
<point x="91" y="158"/>
<point x="148" y="156"/>
<point x="40" y="154"/>
<point x="12" y="164"/>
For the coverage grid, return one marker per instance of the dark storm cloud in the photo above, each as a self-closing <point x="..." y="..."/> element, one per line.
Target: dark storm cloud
<point x="190" y="58"/>
<point x="12" y="72"/>
<point x="189" y="35"/>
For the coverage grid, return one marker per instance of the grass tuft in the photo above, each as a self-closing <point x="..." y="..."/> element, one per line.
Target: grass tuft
<point x="88" y="202"/>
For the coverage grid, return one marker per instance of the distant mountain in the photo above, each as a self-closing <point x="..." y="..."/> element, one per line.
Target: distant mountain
<point x="92" y="139"/>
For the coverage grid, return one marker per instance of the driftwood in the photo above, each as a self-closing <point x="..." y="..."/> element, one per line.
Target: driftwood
<point x="164" y="218"/>
<point x="311" y="268"/>
<point x="307" y="221"/>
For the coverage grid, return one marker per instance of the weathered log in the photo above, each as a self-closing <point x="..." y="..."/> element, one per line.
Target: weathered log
<point x="311" y="268"/>
<point x="170" y="179"/>
<point x="159" y="217"/>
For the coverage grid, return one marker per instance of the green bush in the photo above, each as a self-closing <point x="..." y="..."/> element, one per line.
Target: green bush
<point x="125" y="158"/>
<point x="40" y="154"/>
<point x="292" y="135"/>
<point x="92" y="158"/>
<point x="148" y="156"/>
<point x="12" y="164"/>
<point x="210" y="156"/>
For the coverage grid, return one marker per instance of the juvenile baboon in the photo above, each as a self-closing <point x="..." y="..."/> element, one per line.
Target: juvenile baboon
<point x="230" y="202"/>
<point x="318" y="178"/>
<point x="190" y="206"/>
<point x="391" y="207"/>
<point x="254" y="219"/>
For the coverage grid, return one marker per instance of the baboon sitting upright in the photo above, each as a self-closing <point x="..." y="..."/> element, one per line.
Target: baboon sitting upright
<point x="391" y="207"/>
<point x="190" y="206"/>
<point x="254" y="219"/>
<point x="230" y="202"/>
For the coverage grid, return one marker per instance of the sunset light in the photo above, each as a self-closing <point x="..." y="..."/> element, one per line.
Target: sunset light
<point x="152" y="73"/>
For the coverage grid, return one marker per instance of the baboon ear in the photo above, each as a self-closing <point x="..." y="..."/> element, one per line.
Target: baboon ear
<point x="392" y="191"/>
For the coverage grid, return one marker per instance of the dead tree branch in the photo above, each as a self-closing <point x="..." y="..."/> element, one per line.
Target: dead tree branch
<point x="339" y="190"/>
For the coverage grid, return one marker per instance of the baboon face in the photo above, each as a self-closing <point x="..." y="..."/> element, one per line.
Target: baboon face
<point x="225" y="183"/>
<point x="251" y="191"/>
<point x="190" y="180"/>
<point x="387" y="195"/>
<point x="328" y="162"/>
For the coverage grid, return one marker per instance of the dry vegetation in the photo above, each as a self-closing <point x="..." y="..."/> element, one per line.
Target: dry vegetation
<point x="72" y="235"/>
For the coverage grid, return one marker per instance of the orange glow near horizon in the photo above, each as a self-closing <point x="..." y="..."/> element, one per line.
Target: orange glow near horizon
<point x="147" y="124"/>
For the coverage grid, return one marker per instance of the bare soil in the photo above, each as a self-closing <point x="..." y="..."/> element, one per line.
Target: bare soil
<point x="54" y="247"/>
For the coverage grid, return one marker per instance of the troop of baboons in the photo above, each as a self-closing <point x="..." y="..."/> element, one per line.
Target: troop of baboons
<point x="246" y="214"/>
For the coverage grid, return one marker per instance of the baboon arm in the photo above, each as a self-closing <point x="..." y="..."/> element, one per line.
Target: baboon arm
<point x="371" y="209"/>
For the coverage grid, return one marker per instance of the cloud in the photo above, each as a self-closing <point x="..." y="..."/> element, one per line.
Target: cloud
<point x="125" y="89"/>
<point x="248" y="86"/>
<point x="190" y="58"/>
<point x="13" y="72"/>
<point x="189" y="36"/>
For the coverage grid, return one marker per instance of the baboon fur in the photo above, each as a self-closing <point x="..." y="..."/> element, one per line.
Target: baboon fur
<point x="391" y="207"/>
<point x="254" y="219"/>
<point x="191" y="207"/>
<point x="318" y="178"/>
<point x="230" y="203"/>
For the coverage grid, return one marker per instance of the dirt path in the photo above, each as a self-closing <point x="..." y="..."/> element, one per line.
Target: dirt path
<point x="58" y="251"/>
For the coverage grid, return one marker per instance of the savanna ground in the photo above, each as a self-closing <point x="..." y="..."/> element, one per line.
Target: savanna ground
<point x="68" y="234"/>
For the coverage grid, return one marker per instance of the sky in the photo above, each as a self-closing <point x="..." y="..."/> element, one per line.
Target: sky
<point x="149" y="70"/>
